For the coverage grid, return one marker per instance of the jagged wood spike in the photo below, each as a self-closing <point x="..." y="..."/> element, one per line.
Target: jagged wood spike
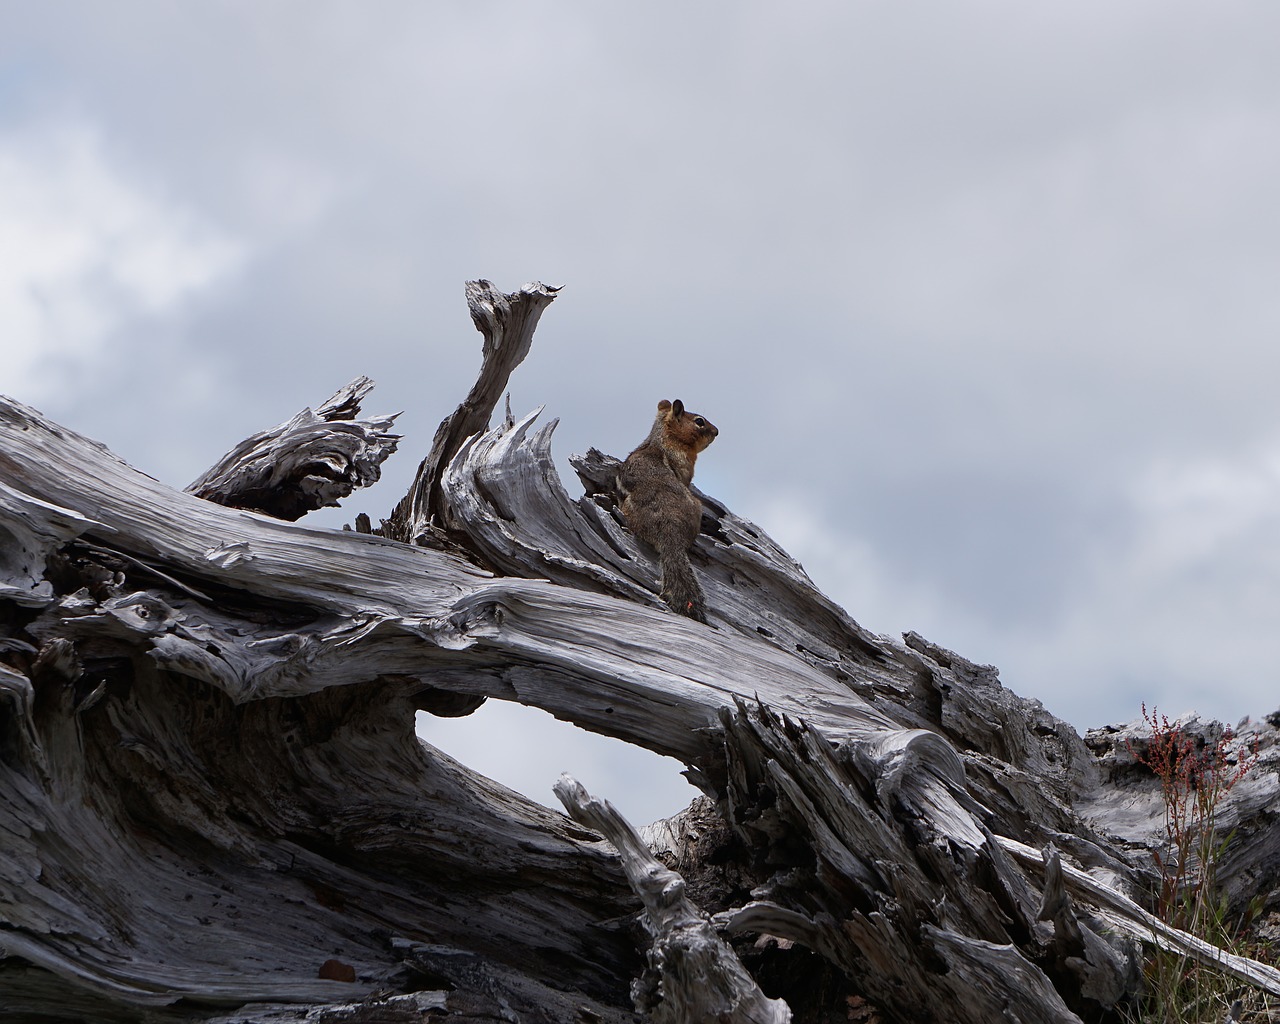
<point x="507" y="323"/>
<point x="696" y="976"/>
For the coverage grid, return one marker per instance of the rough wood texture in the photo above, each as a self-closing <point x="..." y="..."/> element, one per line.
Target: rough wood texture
<point x="211" y="784"/>
<point x="694" y="976"/>
<point x="310" y="462"/>
<point x="507" y="323"/>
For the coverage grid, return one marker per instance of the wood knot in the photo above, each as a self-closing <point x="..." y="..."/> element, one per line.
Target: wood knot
<point x="336" y="970"/>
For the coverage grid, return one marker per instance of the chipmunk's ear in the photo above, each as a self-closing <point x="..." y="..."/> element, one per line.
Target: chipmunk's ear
<point x="677" y="408"/>
<point x="664" y="406"/>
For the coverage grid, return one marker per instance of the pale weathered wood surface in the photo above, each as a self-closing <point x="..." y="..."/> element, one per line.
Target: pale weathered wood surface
<point x="694" y="976"/>
<point x="211" y="784"/>
<point x="507" y="323"/>
<point x="312" y="461"/>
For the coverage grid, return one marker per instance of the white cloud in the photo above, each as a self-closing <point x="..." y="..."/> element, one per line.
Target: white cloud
<point x="1194" y="590"/>
<point x="847" y="567"/>
<point x="1174" y="603"/>
<point x="1208" y="510"/>
<point x="84" y="250"/>
<point x="283" y="193"/>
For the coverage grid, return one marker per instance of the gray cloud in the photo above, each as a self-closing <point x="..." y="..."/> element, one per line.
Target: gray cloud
<point x="981" y="296"/>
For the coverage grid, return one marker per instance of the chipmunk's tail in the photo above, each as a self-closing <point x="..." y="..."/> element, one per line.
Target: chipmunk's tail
<point x="680" y="588"/>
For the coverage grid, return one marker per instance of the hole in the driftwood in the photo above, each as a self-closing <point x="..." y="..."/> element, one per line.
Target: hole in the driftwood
<point x="811" y="986"/>
<point x="527" y="749"/>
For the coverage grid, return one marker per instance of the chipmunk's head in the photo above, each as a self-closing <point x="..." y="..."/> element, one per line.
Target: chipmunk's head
<point x="689" y="430"/>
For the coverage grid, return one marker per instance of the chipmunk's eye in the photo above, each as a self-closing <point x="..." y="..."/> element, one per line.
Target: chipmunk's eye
<point x="700" y="422"/>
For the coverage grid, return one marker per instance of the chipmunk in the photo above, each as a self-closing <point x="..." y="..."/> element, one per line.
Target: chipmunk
<point x="658" y="505"/>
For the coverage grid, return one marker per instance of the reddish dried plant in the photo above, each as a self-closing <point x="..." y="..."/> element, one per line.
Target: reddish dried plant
<point x="1194" y="778"/>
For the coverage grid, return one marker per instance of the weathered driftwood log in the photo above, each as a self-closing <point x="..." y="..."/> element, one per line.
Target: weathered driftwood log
<point x="310" y="462"/>
<point x="212" y="793"/>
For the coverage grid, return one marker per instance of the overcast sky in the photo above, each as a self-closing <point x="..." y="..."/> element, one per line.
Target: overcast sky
<point x="982" y="296"/>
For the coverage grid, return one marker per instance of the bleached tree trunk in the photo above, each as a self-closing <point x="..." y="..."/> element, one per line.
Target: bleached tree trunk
<point x="211" y="794"/>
